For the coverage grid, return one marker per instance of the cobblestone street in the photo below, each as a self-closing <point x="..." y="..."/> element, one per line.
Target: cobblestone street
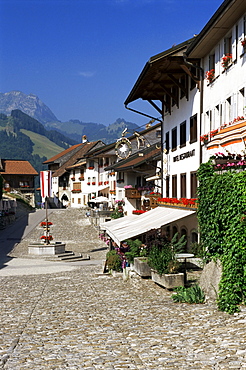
<point x="83" y="319"/>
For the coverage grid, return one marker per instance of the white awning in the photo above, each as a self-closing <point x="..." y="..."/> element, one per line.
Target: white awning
<point x="130" y="226"/>
<point x="102" y="187"/>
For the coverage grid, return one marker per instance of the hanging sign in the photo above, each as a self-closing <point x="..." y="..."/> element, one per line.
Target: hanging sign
<point x="123" y="148"/>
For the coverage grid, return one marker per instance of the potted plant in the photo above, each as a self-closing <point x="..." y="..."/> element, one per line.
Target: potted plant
<point x="243" y="42"/>
<point x="210" y="75"/>
<point x="113" y="261"/>
<point x="204" y="138"/>
<point x="226" y="61"/>
<point x="165" y="269"/>
<point x="138" y="256"/>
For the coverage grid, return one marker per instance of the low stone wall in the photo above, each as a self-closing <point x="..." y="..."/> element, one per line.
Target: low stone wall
<point x="210" y="278"/>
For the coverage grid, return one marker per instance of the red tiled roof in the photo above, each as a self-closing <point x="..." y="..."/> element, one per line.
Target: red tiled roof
<point x="18" y="167"/>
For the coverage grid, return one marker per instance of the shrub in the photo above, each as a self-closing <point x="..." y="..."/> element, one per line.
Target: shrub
<point x="221" y="215"/>
<point x="135" y="250"/>
<point x="162" y="257"/>
<point x="117" y="213"/>
<point x="193" y="294"/>
<point x="113" y="261"/>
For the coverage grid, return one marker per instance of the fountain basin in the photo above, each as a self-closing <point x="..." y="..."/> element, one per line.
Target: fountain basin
<point x="41" y="249"/>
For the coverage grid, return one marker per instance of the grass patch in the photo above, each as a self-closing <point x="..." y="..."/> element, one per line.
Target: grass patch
<point x="42" y="145"/>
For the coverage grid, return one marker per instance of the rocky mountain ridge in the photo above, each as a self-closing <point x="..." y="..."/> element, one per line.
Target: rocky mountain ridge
<point x="73" y="129"/>
<point x="28" y="104"/>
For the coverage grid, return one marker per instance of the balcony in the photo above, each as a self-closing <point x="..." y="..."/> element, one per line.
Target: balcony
<point x="132" y="193"/>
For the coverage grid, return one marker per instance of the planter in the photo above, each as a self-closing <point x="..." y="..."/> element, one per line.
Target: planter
<point x="141" y="267"/>
<point x="168" y="281"/>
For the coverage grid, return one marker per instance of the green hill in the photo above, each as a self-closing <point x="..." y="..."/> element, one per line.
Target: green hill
<point x="42" y="145"/>
<point x="23" y="137"/>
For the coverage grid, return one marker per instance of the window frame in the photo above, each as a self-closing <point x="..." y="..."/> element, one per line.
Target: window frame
<point x="193" y="129"/>
<point x="174" y="139"/>
<point x="182" y="134"/>
<point x="174" y="186"/>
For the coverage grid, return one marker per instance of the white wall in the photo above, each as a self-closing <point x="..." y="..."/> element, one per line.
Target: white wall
<point x="186" y="110"/>
<point x="224" y="98"/>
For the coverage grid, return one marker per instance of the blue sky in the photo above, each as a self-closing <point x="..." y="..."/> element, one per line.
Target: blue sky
<point x="82" y="57"/>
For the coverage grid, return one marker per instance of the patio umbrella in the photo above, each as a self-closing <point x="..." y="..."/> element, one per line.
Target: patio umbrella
<point x="100" y="199"/>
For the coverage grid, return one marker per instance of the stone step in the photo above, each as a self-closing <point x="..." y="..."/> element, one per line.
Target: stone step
<point x="77" y="257"/>
<point x="72" y="256"/>
<point x="66" y="254"/>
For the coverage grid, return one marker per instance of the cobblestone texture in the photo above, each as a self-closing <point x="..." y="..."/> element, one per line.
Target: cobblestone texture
<point x="82" y="319"/>
<point x="71" y="227"/>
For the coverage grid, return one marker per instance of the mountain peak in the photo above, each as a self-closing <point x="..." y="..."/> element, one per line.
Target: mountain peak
<point x="28" y="104"/>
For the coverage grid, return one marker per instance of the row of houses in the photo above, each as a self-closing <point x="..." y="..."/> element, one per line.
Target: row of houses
<point x="90" y="170"/>
<point x="197" y="91"/>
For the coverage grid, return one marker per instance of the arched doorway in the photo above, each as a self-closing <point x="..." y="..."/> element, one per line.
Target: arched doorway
<point x="64" y="200"/>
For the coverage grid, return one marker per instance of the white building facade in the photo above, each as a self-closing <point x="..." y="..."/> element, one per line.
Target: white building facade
<point x="223" y="59"/>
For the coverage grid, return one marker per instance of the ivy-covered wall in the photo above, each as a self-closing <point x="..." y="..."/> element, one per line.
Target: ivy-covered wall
<point x="222" y="226"/>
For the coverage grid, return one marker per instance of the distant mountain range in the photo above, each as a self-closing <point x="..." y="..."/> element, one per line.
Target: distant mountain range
<point x="73" y="129"/>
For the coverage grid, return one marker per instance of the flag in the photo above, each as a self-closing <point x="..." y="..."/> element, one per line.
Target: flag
<point x="45" y="183"/>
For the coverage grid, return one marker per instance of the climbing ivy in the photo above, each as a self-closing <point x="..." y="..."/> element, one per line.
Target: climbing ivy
<point x="222" y="224"/>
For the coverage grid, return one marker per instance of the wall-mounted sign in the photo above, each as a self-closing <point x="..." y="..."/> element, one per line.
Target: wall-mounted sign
<point x="180" y="157"/>
<point x="123" y="148"/>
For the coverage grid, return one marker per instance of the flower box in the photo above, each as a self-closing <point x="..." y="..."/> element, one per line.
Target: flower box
<point x="138" y="212"/>
<point x="91" y="168"/>
<point x="182" y="202"/>
<point x="226" y="61"/>
<point x="210" y="75"/>
<point x="168" y="281"/>
<point x="204" y="138"/>
<point x="81" y="178"/>
<point x="73" y="178"/>
<point x="93" y="183"/>
<point x="132" y="193"/>
<point x="76" y="191"/>
<point x="141" y="267"/>
<point x="88" y="183"/>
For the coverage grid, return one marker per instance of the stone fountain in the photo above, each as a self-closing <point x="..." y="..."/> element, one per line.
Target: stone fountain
<point x="47" y="246"/>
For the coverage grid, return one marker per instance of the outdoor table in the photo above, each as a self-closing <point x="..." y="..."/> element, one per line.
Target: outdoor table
<point x="184" y="256"/>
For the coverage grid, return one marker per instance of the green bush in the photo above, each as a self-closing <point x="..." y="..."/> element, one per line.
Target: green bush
<point x="113" y="261"/>
<point x="134" y="249"/>
<point x="159" y="258"/>
<point x="162" y="258"/>
<point x="193" y="294"/>
<point x="117" y="213"/>
<point x="221" y="216"/>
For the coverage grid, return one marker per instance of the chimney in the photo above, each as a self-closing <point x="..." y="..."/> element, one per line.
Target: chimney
<point x="84" y="139"/>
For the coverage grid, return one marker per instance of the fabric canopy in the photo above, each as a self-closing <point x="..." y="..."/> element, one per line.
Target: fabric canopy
<point x="130" y="226"/>
<point x="100" y="199"/>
